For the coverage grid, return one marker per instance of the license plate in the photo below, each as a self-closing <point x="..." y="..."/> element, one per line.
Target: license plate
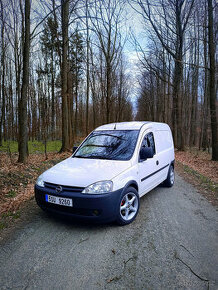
<point x="59" y="200"/>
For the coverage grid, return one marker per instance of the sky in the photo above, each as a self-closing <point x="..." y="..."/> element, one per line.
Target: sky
<point x="134" y="25"/>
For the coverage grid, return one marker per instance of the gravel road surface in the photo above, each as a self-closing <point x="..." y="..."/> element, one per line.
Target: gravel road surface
<point x="173" y="244"/>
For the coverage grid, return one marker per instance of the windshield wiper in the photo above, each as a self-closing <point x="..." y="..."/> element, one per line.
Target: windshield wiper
<point x="95" y="145"/>
<point x="102" y="157"/>
<point x="80" y="156"/>
<point x="93" y="157"/>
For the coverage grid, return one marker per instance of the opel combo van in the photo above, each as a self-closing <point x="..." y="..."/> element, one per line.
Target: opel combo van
<point x="109" y="172"/>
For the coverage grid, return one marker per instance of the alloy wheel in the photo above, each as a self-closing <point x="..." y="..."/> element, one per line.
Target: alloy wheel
<point x="129" y="206"/>
<point x="172" y="175"/>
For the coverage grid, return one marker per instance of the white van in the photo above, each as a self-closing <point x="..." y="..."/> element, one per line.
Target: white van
<point x="109" y="172"/>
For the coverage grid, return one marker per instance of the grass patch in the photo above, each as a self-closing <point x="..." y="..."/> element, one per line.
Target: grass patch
<point x="9" y="146"/>
<point x="14" y="215"/>
<point x="11" y="193"/>
<point x="14" y="179"/>
<point x="34" y="147"/>
<point x="2" y="225"/>
<point x="39" y="147"/>
<point x="8" y="217"/>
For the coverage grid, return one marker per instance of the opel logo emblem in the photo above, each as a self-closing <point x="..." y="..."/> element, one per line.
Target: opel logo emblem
<point x="59" y="189"/>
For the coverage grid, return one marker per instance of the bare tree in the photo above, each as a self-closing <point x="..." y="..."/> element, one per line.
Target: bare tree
<point x="64" y="74"/>
<point x="83" y="75"/>
<point x="87" y="69"/>
<point x="2" y="74"/>
<point x="169" y="20"/>
<point x="106" y="17"/>
<point x="22" y="115"/>
<point x="212" y="82"/>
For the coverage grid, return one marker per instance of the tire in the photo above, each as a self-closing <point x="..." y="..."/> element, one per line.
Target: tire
<point x="128" y="206"/>
<point x="169" y="182"/>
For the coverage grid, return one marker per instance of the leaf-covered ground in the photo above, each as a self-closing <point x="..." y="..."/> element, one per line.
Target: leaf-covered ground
<point x="17" y="180"/>
<point x="200" y="162"/>
<point x="198" y="168"/>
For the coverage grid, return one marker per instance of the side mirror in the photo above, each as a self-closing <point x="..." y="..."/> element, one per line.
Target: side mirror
<point x="145" y="153"/>
<point x="74" y="148"/>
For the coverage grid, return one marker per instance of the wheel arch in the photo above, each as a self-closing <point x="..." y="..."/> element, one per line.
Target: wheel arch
<point x="131" y="183"/>
<point x="173" y="163"/>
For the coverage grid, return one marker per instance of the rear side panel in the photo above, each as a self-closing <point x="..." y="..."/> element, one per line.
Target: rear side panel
<point x="165" y="150"/>
<point x="164" y="140"/>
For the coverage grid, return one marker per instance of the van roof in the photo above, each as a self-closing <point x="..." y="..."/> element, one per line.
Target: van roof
<point x="135" y="125"/>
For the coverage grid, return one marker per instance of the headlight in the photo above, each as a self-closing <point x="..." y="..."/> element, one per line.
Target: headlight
<point x="40" y="181"/>
<point x="99" y="187"/>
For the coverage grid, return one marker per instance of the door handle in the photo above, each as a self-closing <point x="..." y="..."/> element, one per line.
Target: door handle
<point x="157" y="162"/>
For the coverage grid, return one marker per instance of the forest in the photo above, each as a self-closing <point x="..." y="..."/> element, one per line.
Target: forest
<point x="65" y="70"/>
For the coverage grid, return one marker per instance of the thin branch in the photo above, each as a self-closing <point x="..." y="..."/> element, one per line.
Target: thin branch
<point x="44" y="18"/>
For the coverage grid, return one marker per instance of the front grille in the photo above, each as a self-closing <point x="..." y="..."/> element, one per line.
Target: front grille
<point x="65" y="188"/>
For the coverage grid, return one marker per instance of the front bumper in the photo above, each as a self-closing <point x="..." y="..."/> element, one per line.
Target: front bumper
<point x="98" y="207"/>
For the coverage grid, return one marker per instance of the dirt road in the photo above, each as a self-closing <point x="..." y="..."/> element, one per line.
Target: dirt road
<point x="173" y="244"/>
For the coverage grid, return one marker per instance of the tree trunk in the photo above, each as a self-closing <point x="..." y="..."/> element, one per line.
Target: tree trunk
<point x="177" y="81"/>
<point x="52" y="97"/>
<point x="205" y="108"/>
<point x="212" y="82"/>
<point x="69" y="101"/>
<point x="76" y="103"/>
<point x="22" y="114"/>
<point x="87" y="70"/>
<point x="64" y="73"/>
<point x="108" y="90"/>
<point x="2" y="120"/>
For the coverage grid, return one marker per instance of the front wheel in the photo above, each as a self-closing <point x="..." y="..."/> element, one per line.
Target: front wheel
<point x="170" y="177"/>
<point x="128" y="206"/>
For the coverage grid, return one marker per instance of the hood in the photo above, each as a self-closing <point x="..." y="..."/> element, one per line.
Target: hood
<point x="82" y="172"/>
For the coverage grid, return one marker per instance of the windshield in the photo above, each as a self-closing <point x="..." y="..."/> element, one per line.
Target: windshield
<point x="111" y="144"/>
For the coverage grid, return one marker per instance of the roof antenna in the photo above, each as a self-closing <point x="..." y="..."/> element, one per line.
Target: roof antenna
<point x="115" y="126"/>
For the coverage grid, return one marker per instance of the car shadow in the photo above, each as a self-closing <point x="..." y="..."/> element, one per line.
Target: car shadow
<point x="74" y="222"/>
